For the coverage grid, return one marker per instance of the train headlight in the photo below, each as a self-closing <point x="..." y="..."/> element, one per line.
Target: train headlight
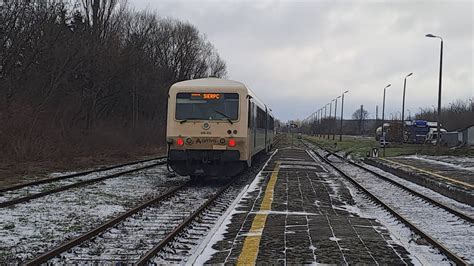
<point x="180" y="142"/>
<point x="189" y="141"/>
<point x="231" y="143"/>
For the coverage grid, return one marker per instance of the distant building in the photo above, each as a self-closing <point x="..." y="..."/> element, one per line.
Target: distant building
<point x="467" y="135"/>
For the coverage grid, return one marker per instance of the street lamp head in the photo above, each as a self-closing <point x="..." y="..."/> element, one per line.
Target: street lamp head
<point x="338" y="97"/>
<point x="409" y="75"/>
<point x="345" y="92"/>
<point x="434" y="36"/>
<point x="388" y="86"/>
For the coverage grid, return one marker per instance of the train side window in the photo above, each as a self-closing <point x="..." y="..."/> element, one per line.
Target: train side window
<point x="249" y="115"/>
<point x="260" y="118"/>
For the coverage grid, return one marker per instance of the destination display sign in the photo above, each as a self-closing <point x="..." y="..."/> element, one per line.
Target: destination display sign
<point x="206" y="96"/>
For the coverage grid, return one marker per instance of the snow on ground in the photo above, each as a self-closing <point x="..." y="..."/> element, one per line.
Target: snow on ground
<point x="204" y="251"/>
<point x="139" y="233"/>
<point x="421" y="254"/>
<point x="457" y="162"/>
<point x="400" y="234"/>
<point x="464" y="208"/>
<point x="22" y="192"/>
<point x="219" y="232"/>
<point x="455" y="233"/>
<point x="32" y="227"/>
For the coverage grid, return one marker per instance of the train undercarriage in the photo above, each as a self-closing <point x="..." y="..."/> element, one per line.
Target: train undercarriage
<point x="196" y="163"/>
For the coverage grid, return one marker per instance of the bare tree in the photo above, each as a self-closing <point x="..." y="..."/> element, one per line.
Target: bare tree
<point x="74" y="70"/>
<point x="360" y="115"/>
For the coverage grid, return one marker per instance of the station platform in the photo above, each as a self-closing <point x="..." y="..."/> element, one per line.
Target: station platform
<point x="298" y="212"/>
<point x="443" y="175"/>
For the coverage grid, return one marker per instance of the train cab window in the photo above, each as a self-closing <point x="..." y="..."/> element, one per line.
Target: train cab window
<point x="207" y="106"/>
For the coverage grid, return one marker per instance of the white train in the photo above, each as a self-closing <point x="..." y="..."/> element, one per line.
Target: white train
<point x="215" y="127"/>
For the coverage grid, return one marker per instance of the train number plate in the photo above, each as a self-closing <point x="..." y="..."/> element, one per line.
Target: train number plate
<point x="219" y="147"/>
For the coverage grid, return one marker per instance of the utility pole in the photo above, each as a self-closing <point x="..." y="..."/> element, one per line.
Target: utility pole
<point x="330" y="111"/>
<point x="383" y="118"/>
<point x="334" y="122"/>
<point x="324" y="120"/>
<point x="342" y="114"/>
<point x="361" y="127"/>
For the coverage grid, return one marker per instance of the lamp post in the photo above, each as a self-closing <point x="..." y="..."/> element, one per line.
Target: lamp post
<point x="334" y="127"/>
<point x="320" y="121"/>
<point x="403" y="105"/>
<point x="383" y="118"/>
<point x="438" y="142"/>
<point x="342" y="114"/>
<point x="330" y="112"/>
<point x="317" y="122"/>
<point x="325" y="117"/>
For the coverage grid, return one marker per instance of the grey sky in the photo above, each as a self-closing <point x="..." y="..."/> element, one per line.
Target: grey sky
<point x="298" y="55"/>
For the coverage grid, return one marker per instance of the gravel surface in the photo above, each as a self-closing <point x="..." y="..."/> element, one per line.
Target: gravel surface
<point x="191" y="241"/>
<point x="31" y="190"/>
<point x="464" y="208"/>
<point x="458" y="162"/>
<point x="453" y="232"/>
<point x="421" y="252"/>
<point x="31" y="228"/>
<point x="133" y="237"/>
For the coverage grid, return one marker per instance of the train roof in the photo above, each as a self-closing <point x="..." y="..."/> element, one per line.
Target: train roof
<point x="209" y="82"/>
<point x="216" y="82"/>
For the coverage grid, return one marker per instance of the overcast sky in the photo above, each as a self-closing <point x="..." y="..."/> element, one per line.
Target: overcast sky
<point x="298" y="55"/>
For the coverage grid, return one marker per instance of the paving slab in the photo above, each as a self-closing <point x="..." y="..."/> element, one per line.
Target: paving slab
<point x="298" y="214"/>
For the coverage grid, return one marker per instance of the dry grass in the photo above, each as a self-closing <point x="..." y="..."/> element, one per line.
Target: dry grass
<point x="28" y="155"/>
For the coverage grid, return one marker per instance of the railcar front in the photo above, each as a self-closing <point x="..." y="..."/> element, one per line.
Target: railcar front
<point x="207" y="127"/>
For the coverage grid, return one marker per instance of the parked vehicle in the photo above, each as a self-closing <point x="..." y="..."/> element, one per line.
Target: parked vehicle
<point x="432" y="135"/>
<point x="416" y="131"/>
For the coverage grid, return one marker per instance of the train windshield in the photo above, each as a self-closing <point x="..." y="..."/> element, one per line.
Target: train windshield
<point x="207" y="106"/>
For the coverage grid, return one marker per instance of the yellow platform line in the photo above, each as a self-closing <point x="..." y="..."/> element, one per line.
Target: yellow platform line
<point x="430" y="173"/>
<point x="249" y="253"/>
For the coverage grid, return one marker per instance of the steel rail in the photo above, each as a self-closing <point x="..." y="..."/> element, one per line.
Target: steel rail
<point x="152" y="252"/>
<point x="49" y="180"/>
<point x="414" y="192"/>
<point x="456" y="259"/>
<point x="75" y="185"/>
<point x="94" y="232"/>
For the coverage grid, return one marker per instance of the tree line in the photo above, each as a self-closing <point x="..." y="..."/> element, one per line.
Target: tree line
<point x="78" y="74"/>
<point x="457" y="115"/>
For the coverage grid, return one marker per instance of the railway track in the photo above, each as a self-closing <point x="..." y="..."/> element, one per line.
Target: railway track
<point x="165" y="230"/>
<point x="179" y="243"/>
<point x="447" y="208"/>
<point x="36" y="189"/>
<point x="132" y="237"/>
<point x="445" y="228"/>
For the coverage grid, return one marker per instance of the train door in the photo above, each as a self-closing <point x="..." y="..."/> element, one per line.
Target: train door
<point x="254" y="127"/>
<point x="266" y="128"/>
<point x="251" y="127"/>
